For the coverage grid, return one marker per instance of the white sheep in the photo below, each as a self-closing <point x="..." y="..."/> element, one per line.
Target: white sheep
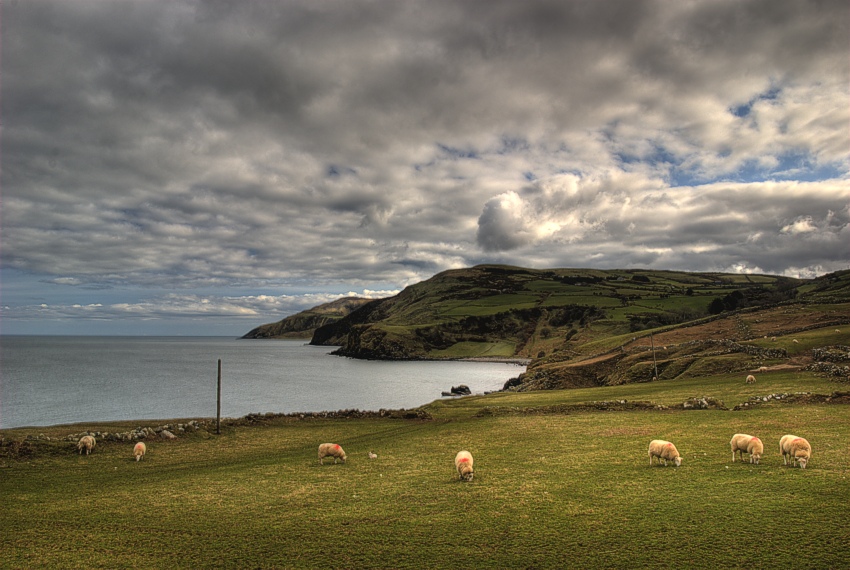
<point x="664" y="450"/>
<point x="463" y="464"/>
<point x="751" y="379"/>
<point x="743" y="443"/>
<point x="331" y="450"/>
<point x="139" y="450"/>
<point x="373" y="455"/>
<point x="797" y="449"/>
<point x="86" y="442"/>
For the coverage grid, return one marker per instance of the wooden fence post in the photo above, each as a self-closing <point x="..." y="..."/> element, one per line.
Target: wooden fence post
<point x="654" y="361"/>
<point x="218" y="402"/>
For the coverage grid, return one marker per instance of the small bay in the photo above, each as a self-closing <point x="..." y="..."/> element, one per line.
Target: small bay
<point x="50" y="380"/>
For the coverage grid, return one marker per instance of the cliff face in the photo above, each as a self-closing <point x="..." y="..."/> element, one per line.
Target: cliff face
<point x="305" y="323"/>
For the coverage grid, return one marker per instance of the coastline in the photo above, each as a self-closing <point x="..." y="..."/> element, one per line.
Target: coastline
<point x="499" y="360"/>
<point x="48" y="382"/>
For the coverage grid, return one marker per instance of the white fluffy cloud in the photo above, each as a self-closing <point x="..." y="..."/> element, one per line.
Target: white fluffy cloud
<point x="607" y="219"/>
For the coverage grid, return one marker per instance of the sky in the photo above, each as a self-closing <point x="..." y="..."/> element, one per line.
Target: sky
<point x="196" y="167"/>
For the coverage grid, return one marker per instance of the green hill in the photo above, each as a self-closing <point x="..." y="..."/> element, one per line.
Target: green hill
<point x="305" y="323"/>
<point x="596" y="327"/>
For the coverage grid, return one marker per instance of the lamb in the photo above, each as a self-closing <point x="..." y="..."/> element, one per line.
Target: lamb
<point x="139" y="450"/>
<point x="86" y="442"/>
<point x="797" y="449"/>
<point x="751" y="379"/>
<point x="743" y="443"/>
<point x="331" y="450"/>
<point x="664" y="450"/>
<point x="463" y="464"/>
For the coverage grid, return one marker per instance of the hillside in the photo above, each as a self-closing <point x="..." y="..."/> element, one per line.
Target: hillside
<point x="592" y="327"/>
<point x="305" y="323"/>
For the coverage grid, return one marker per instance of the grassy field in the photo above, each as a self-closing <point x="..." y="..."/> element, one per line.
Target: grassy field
<point x="551" y="490"/>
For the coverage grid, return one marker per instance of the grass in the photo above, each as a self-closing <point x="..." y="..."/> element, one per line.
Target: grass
<point x="550" y="490"/>
<point x="469" y="349"/>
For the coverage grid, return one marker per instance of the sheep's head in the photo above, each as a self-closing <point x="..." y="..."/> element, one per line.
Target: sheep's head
<point x="467" y="475"/>
<point x="802" y="460"/>
<point x="755" y="458"/>
<point x="678" y="460"/>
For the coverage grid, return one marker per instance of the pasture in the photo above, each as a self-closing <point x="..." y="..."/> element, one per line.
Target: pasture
<point x="551" y="490"/>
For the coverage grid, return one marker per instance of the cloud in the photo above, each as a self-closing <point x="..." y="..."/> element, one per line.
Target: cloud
<point x="502" y="225"/>
<point x="655" y="225"/>
<point x="800" y="226"/>
<point x="187" y="144"/>
<point x="248" y="309"/>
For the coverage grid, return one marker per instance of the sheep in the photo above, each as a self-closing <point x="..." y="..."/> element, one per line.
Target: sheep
<point x="463" y="464"/>
<point x="743" y="443"/>
<point x="331" y="449"/>
<point x="751" y="379"/>
<point x="797" y="449"/>
<point x="373" y="455"/>
<point x="86" y="442"/>
<point x="139" y="450"/>
<point x="664" y="450"/>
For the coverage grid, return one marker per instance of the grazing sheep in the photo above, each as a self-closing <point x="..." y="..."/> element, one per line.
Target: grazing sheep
<point x="331" y="450"/>
<point x="795" y="341"/>
<point x="751" y="379"/>
<point x="139" y="450"/>
<point x="797" y="449"/>
<point x="463" y="464"/>
<point x="373" y="455"/>
<point x="86" y="442"/>
<point x="743" y="443"/>
<point x="664" y="450"/>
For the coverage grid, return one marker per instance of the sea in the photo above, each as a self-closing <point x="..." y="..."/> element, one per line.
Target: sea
<point x="54" y="380"/>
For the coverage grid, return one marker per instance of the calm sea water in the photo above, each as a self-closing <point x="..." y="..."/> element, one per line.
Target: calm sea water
<point x="58" y="380"/>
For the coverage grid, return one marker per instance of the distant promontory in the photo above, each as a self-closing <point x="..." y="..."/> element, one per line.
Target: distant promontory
<point x="302" y="325"/>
